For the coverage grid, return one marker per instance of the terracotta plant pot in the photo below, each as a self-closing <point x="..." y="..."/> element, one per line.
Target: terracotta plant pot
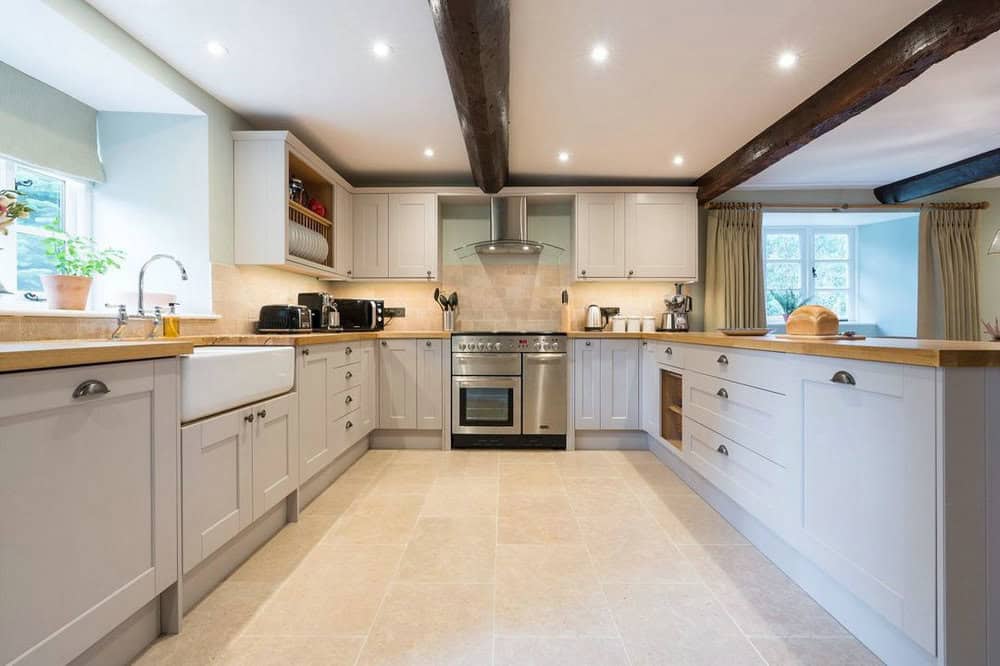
<point x="66" y="292"/>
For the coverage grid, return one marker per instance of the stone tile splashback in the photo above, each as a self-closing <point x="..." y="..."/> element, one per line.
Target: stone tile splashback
<point x="239" y="291"/>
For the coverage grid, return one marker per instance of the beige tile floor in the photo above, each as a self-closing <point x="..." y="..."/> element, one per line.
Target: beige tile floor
<point x="509" y="558"/>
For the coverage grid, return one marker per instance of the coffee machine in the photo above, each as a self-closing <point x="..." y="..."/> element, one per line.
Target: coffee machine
<point x="325" y="316"/>
<point x="678" y="309"/>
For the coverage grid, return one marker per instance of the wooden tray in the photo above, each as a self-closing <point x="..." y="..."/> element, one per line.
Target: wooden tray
<point x="837" y="336"/>
<point x="744" y="331"/>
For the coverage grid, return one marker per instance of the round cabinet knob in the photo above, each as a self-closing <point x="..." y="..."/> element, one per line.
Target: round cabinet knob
<point x="348" y="375"/>
<point x="348" y="400"/>
<point x="428" y="343"/>
<point x="262" y="413"/>
<point x="385" y="344"/>
<point x="348" y="351"/>
<point x="348" y="425"/>
<point x="631" y="273"/>
<point x="248" y="418"/>
<point x="305" y="352"/>
<point x="583" y="272"/>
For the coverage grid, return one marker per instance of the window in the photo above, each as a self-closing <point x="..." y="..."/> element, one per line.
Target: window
<point x="54" y="199"/>
<point x="813" y="263"/>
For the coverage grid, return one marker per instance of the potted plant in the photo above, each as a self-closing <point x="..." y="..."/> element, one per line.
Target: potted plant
<point x="76" y="259"/>
<point x="11" y="209"/>
<point x="788" y="301"/>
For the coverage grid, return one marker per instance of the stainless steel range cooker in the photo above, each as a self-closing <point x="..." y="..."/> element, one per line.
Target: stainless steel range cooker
<point x="508" y="390"/>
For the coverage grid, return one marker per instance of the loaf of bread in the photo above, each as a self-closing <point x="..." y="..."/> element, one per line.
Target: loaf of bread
<point x="813" y="320"/>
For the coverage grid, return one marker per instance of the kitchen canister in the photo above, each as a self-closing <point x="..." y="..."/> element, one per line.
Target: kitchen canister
<point x="618" y="324"/>
<point x="632" y="323"/>
<point x="649" y="324"/>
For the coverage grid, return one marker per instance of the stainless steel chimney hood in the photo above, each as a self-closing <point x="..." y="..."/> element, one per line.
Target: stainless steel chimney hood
<point x="508" y="232"/>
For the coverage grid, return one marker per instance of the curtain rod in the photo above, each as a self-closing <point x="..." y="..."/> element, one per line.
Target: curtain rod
<point x="844" y="207"/>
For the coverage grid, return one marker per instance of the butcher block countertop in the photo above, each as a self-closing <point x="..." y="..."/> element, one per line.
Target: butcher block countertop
<point x="16" y="356"/>
<point x="934" y="353"/>
<point x="293" y="340"/>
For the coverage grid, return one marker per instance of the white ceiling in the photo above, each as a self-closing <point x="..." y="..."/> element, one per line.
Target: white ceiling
<point x="95" y="74"/>
<point x="696" y="77"/>
<point x="949" y="113"/>
<point x="308" y="66"/>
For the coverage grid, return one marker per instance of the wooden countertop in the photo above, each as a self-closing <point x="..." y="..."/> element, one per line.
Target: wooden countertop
<point x="15" y="356"/>
<point x="299" y="340"/>
<point x="933" y="353"/>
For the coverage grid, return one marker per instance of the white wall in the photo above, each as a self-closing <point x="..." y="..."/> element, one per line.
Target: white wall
<point x="155" y="200"/>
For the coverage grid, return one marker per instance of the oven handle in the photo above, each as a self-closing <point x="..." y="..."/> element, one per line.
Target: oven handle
<point x="501" y="381"/>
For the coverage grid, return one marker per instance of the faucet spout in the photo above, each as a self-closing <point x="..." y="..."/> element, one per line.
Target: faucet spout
<point x="142" y="277"/>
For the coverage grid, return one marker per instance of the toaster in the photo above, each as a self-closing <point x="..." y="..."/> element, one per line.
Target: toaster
<point x="284" y="319"/>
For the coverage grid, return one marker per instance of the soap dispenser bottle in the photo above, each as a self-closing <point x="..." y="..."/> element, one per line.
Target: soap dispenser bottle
<point x="171" y="322"/>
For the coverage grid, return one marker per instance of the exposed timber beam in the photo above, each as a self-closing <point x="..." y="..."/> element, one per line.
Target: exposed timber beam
<point x="970" y="170"/>
<point x="944" y="29"/>
<point x="475" y="41"/>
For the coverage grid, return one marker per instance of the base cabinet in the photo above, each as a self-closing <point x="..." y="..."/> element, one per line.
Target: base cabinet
<point x="89" y="490"/>
<point x="237" y="466"/>
<point x="405" y="365"/>
<point x="606" y="384"/>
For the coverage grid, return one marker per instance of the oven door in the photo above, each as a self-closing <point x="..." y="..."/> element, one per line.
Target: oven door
<point x="486" y="405"/>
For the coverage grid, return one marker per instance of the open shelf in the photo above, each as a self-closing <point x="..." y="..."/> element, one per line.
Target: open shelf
<point x="671" y="409"/>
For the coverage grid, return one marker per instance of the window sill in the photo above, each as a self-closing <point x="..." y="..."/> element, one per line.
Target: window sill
<point x="87" y="314"/>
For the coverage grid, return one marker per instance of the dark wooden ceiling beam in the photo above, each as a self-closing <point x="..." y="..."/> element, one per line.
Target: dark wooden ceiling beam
<point x="964" y="172"/>
<point x="475" y="41"/>
<point x="947" y="27"/>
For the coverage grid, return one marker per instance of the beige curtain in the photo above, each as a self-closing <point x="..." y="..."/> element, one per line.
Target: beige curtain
<point x="734" y="285"/>
<point x="948" y="275"/>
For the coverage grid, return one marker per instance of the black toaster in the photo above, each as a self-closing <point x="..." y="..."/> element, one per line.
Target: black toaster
<point x="284" y="319"/>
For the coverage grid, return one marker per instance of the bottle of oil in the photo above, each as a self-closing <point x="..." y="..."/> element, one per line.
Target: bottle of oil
<point x="171" y="322"/>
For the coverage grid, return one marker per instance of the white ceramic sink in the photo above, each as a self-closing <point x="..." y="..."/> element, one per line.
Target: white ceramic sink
<point x="216" y="379"/>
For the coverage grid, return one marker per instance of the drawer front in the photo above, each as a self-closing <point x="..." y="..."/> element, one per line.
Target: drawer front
<point x="767" y="370"/>
<point x="667" y="353"/>
<point x="31" y="392"/>
<point x="750" y="416"/>
<point x="344" y="432"/>
<point x="342" y="353"/>
<point x="750" y="480"/>
<point x="346" y="376"/>
<point x="346" y="402"/>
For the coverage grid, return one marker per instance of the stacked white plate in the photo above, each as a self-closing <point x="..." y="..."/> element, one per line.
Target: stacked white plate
<point x="306" y="243"/>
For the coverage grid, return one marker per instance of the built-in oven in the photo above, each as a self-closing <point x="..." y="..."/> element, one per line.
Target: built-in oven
<point x="486" y="394"/>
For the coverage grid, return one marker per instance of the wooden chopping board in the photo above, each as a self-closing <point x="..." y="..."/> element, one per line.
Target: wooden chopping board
<point x="836" y="336"/>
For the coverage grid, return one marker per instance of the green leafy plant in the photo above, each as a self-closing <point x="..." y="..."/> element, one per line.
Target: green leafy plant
<point x="11" y="209"/>
<point x="788" y="300"/>
<point x="79" y="255"/>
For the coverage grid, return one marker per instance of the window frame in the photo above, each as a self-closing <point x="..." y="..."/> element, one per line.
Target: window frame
<point x="75" y="214"/>
<point x="807" y="262"/>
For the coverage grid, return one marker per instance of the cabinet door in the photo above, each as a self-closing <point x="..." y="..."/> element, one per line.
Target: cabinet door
<point x="314" y="386"/>
<point x="429" y="403"/>
<point x="619" y="384"/>
<point x="370" y="214"/>
<point x="88" y="487"/>
<point x="215" y="484"/>
<point x="869" y="479"/>
<point x="343" y="255"/>
<point x="368" y="411"/>
<point x="600" y="236"/>
<point x="661" y="236"/>
<point x="398" y="384"/>
<point x="413" y="236"/>
<point x="649" y="387"/>
<point x="275" y="449"/>
<point x="587" y="384"/>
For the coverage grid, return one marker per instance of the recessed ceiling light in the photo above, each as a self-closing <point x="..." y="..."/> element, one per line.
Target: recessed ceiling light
<point x="217" y="49"/>
<point x="678" y="160"/>
<point x="787" y="60"/>
<point x="381" y="49"/>
<point x="428" y="152"/>
<point x="599" y="53"/>
<point x="563" y="156"/>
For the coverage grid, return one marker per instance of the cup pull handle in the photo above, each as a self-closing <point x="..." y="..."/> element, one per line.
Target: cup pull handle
<point x="722" y="393"/>
<point x="668" y="351"/>
<point x="843" y="377"/>
<point x="91" y="387"/>
<point x="722" y="360"/>
<point x="723" y="449"/>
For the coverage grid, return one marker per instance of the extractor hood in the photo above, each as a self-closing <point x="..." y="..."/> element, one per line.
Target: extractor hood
<point x="508" y="231"/>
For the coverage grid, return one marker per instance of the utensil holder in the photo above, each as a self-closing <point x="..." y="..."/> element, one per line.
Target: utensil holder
<point x="448" y="320"/>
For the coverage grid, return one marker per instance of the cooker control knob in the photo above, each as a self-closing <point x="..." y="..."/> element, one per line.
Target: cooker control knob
<point x="497" y="346"/>
<point x="461" y="346"/>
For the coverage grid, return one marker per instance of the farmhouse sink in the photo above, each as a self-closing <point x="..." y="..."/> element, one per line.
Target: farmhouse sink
<point x="216" y="379"/>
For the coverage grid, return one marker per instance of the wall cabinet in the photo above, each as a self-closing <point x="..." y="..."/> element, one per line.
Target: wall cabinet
<point x="606" y="384"/>
<point x="405" y="365"/>
<point x="395" y="236"/>
<point x="272" y="230"/>
<point x="642" y="236"/>
<point x="89" y="489"/>
<point x="370" y="213"/>
<point x="237" y="466"/>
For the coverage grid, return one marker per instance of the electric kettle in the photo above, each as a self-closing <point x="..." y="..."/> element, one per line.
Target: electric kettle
<point x="595" y="321"/>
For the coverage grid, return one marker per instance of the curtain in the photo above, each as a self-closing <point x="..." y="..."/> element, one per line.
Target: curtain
<point x="948" y="275"/>
<point x="734" y="285"/>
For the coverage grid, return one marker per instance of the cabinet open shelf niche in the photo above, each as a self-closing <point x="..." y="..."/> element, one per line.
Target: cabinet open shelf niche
<point x="671" y="409"/>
